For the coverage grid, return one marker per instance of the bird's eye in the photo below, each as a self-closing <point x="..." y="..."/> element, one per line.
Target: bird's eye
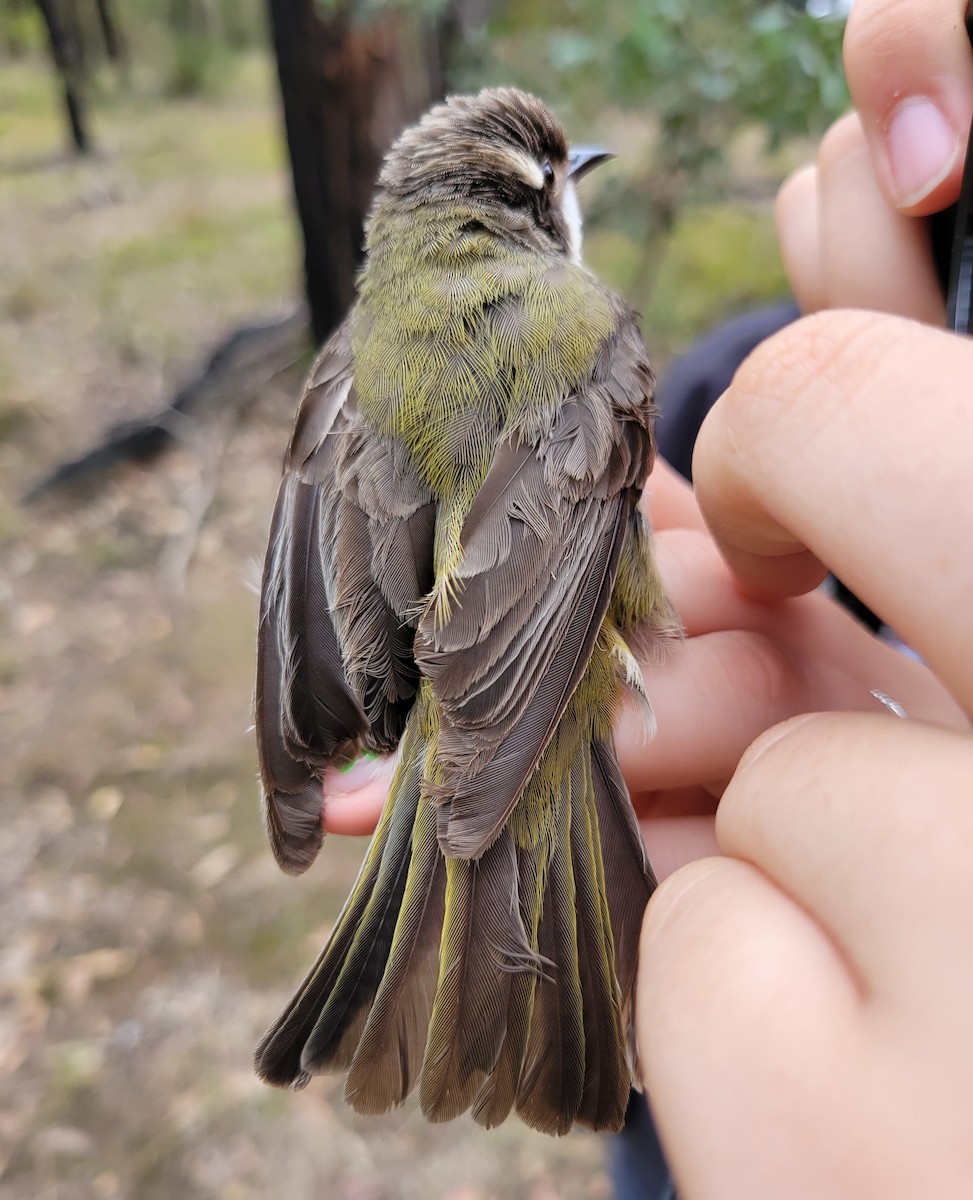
<point x="548" y="172"/>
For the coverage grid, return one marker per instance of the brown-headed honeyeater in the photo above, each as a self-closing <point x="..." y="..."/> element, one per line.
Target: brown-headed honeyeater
<point x="458" y="567"/>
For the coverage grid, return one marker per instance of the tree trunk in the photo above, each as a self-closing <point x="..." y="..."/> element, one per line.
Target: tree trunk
<point x="348" y="86"/>
<point x="65" y="56"/>
<point x="110" y="32"/>
<point x="74" y="33"/>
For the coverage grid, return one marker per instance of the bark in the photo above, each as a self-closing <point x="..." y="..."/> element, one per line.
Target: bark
<point x="348" y="85"/>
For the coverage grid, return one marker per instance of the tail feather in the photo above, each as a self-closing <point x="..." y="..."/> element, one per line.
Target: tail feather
<point x="629" y="879"/>
<point x="493" y="983"/>
<point x="389" y="1055"/>
<point x="499" y="1091"/>
<point x="606" y="1077"/>
<point x="552" y="1081"/>
<point x="279" y="1057"/>
<point x="484" y="947"/>
<point x="331" y="1045"/>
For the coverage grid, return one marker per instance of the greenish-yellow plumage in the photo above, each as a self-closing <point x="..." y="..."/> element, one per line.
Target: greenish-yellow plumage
<point x="458" y="563"/>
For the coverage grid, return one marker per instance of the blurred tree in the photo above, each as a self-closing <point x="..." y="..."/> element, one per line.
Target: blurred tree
<point x="74" y="28"/>
<point x="189" y="16"/>
<point x="702" y="72"/>
<point x="351" y="77"/>
<point x="110" y="31"/>
<point x="66" y="55"/>
<point x="352" y="74"/>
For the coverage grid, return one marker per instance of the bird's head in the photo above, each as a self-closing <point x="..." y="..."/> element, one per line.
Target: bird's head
<point x="500" y="154"/>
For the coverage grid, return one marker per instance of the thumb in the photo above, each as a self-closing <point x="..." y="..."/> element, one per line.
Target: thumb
<point x="910" y="71"/>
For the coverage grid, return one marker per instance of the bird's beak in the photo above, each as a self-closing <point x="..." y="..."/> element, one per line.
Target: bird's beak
<point x="581" y="159"/>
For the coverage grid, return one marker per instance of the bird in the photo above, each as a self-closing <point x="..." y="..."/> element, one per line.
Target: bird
<point x="459" y="571"/>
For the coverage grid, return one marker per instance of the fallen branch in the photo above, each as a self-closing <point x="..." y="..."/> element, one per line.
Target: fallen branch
<point x="237" y="370"/>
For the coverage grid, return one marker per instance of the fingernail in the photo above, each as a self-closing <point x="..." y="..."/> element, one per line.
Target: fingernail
<point x="355" y="775"/>
<point x="922" y="147"/>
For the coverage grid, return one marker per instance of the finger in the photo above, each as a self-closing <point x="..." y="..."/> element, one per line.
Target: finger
<point x="742" y="1003"/>
<point x="718" y="692"/>
<point x="822" y="449"/>
<point x="671" y="842"/>
<point x="871" y="255"/>
<point x="910" y="71"/>
<point x="866" y="823"/>
<point x="809" y="631"/>
<point x="354" y="798"/>
<point x="796" y="219"/>
<point x="668" y="500"/>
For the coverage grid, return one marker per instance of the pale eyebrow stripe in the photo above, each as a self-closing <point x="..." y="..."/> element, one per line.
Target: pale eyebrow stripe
<point x="523" y="165"/>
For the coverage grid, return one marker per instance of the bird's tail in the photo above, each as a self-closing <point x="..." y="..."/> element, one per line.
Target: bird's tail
<point x="494" y="984"/>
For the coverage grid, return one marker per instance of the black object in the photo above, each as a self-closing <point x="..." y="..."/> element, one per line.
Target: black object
<point x="694" y="384"/>
<point x="952" y="239"/>
<point x="696" y="381"/>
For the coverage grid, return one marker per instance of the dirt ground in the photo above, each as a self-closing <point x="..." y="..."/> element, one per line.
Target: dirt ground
<point x="146" y="937"/>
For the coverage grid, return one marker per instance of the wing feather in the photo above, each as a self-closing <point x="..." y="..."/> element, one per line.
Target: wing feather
<point x="348" y="563"/>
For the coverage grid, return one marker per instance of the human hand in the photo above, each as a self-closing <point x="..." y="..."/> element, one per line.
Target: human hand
<point x="846" y="223"/>
<point x="805" y="1023"/>
<point x="804" y="1011"/>
<point x="743" y="667"/>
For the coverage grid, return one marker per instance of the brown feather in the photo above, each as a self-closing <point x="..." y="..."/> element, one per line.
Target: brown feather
<point x="629" y="879"/>
<point x="475" y="808"/>
<point x="496" y="1097"/>
<point x="484" y="946"/>
<point x="552" y="1081"/>
<point x="348" y="1000"/>
<point x="304" y="712"/>
<point x="278" y="1057"/>
<point x="389" y="1054"/>
<point x="606" y="1078"/>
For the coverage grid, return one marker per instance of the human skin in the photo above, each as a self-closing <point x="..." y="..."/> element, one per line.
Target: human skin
<point x="805" y="1005"/>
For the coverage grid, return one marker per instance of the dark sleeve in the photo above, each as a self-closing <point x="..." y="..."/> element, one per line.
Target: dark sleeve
<point x="694" y="382"/>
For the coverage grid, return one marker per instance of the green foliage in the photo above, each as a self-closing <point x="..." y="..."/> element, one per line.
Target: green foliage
<point x="701" y="70"/>
<point x="21" y="30"/>
<point x="718" y="260"/>
<point x="693" y="94"/>
<point x="198" y="66"/>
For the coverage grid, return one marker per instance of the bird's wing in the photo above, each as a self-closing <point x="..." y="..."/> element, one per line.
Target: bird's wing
<point x="348" y="563"/>
<point x="541" y="547"/>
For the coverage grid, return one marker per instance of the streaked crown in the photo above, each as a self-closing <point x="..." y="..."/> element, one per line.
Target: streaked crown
<point x="503" y="153"/>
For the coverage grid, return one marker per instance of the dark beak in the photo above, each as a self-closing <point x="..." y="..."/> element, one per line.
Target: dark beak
<point x="581" y="159"/>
